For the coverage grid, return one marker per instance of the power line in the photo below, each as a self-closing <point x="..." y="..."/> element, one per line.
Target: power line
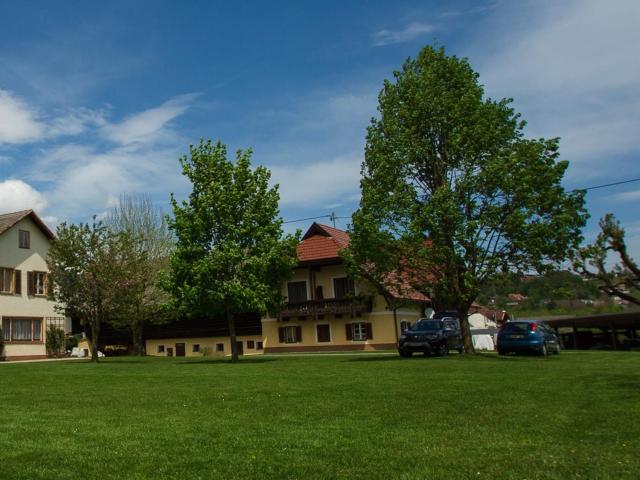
<point x="610" y="184"/>
<point x="332" y="216"/>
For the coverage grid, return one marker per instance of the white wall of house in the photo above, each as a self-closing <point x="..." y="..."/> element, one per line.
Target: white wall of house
<point x="23" y="305"/>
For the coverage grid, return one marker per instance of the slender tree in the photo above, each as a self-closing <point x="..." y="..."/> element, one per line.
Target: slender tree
<point x="145" y="258"/>
<point x="231" y="256"/>
<point x="87" y="271"/>
<point x="452" y="192"/>
<point x="623" y="279"/>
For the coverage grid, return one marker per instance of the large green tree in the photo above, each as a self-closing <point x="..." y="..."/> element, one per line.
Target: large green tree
<point x="231" y="256"/>
<point x="452" y="191"/>
<point x="146" y="258"/>
<point x="89" y="275"/>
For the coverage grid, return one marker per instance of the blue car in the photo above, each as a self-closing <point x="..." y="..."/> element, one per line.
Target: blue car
<point x="527" y="336"/>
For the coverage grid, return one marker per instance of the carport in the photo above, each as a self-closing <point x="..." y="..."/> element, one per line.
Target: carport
<point x="607" y="331"/>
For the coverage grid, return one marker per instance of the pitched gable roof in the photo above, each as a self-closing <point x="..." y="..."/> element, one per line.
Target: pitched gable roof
<point x="8" y="220"/>
<point x="322" y="243"/>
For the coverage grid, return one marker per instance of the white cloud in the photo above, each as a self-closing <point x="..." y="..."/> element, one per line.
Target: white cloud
<point x="18" y="122"/>
<point x="319" y="184"/>
<point x="146" y="126"/>
<point x="17" y="195"/>
<point x="21" y="123"/>
<point x="570" y="67"/>
<point x="627" y="196"/>
<point x="406" y="34"/>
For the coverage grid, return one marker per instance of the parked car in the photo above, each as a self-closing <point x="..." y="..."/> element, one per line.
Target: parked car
<point x="431" y="337"/>
<point x="527" y="336"/>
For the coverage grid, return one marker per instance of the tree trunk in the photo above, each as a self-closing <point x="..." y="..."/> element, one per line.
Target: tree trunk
<point x="465" y="329"/>
<point x="95" y="334"/>
<point x="231" y="321"/>
<point x="136" y="337"/>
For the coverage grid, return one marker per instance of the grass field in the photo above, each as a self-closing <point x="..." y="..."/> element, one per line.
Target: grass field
<point x="365" y="416"/>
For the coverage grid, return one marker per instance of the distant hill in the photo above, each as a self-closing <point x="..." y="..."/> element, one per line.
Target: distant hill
<point x="557" y="292"/>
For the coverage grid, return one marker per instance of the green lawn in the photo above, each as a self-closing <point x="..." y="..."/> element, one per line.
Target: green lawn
<point x="366" y="416"/>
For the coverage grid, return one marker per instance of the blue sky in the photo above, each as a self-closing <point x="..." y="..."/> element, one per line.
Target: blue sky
<point x="101" y="98"/>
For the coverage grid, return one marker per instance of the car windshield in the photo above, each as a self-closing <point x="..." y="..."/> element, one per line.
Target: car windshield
<point x="517" y="327"/>
<point x="426" y="325"/>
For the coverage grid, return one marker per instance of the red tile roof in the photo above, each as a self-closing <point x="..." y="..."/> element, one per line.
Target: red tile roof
<point x="322" y="243"/>
<point x="8" y="220"/>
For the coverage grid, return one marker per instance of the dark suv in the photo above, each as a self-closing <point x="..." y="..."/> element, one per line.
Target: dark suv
<point x="432" y="337"/>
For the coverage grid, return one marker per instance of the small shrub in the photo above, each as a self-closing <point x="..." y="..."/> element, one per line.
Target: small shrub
<point x="1" y="345"/>
<point x="55" y="341"/>
<point x="206" y="351"/>
<point x="70" y="343"/>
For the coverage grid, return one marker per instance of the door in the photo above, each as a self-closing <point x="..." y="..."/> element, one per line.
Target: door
<point x="239" y="347"/>
<point x="180" y="350"/>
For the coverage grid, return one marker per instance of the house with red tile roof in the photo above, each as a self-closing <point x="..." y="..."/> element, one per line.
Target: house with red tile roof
<point x="325" y="310"/>
<point x="25" y="310"/>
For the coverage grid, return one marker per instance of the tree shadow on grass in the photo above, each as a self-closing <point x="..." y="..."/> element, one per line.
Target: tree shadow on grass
<point x="226" y="361"/>
<point x="371" y="358"/>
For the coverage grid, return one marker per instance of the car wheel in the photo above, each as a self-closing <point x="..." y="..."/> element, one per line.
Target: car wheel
<point x="405" y="353"/>
<point x="443" y="349"/>
<point x="460" y="350"/>
<point x="543" y="350"/>
<point x="501" y="352"/>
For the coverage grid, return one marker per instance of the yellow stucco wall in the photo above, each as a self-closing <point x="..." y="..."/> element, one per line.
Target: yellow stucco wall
<point x="23" y="305"/>
<point x="207" y="345"/>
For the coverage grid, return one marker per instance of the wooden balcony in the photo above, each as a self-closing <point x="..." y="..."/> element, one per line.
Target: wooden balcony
<point x="328" y="306"/>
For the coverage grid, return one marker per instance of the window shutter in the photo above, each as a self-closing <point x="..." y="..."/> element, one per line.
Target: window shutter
<point x="281" y="334"/>
<point x="349" y="331"/>
<point x="369" y="331"/>
<point x="17" y="282"/>
<point x="298" y="334"/>
<point x="31" y="283"/>
<point x="47" y="282"/>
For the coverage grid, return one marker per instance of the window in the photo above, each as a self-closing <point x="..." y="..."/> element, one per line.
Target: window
<point x="343" y="287"/>
<point x="39" y="283"/>
<point x="259" y="346"/>
<point x="323" y="333"/>
<point x="290" y="334"/>
<point x="24" y="239"/>
<point x="195" y="348"/>
<point x="160" y="349"/>
<point x="297" y="291"/>
<point x="219" y="347"/>
<point x="251" y="344"/>
<point x="6" y="280"/>
<point x="22" y="329"/>
<point x="359" y="331"/>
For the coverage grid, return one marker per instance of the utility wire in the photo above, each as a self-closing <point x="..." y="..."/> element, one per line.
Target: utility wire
<point x="333" y="217"/>
<point x="610" y="184"/>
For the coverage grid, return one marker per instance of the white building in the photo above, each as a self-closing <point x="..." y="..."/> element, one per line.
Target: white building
<point x="25" y="311"/>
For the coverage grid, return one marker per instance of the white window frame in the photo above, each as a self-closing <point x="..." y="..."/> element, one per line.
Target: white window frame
<point x="39" y="283"/>
<point x="359" y="331"/>
<point x="290" y="334"/>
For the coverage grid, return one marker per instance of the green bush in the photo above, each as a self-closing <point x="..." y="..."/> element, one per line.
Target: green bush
<point x="55" y="341"/>
<point x="1" y="345"/>
<point x="70" y="342"/>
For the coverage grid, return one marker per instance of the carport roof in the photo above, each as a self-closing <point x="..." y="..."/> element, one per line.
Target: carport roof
<point x="601" y="320"/>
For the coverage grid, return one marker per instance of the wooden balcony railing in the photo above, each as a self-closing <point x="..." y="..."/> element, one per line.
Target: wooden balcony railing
<point x="328" y="306"/>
